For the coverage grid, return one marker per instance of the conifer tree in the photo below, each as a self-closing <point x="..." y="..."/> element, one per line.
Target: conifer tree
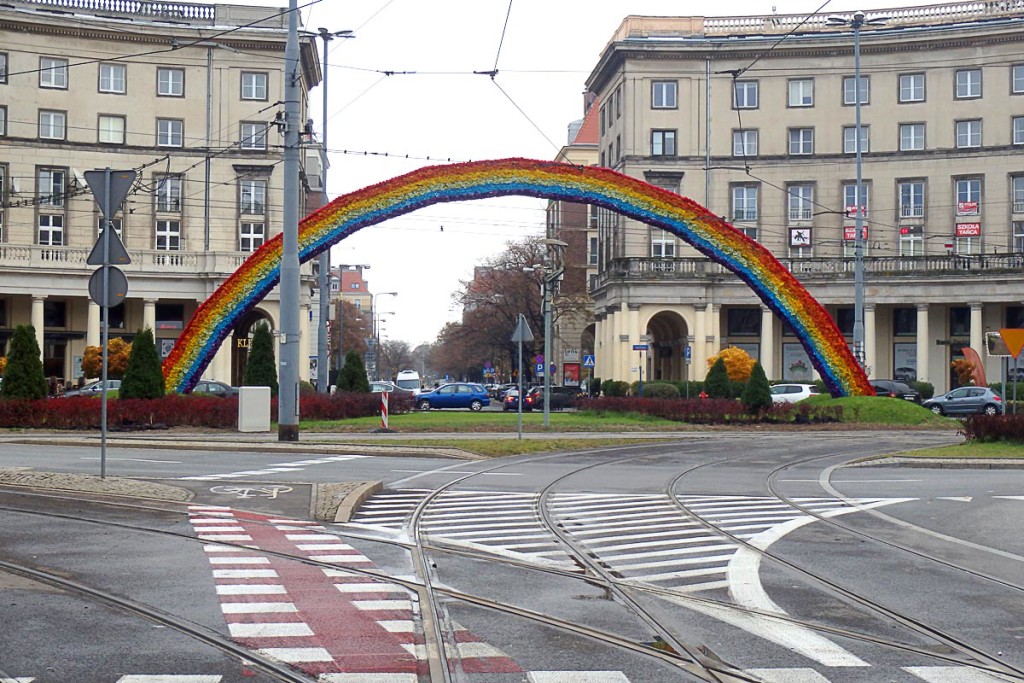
<point x="757" y="395"/>
<point x="716" y="384"/>
<point x="23" y="376"/>
<point x="143" y="378"/>
<point x="353" y="374"/>
<point x="261" y="366"/>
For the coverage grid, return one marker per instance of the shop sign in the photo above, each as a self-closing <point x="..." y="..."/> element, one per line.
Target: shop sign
<point x="967" y="208"/>
<point x="968" y="229"/>
<point x="850" y="233"/>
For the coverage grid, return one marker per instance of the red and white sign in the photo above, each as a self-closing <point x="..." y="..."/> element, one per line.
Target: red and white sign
<point x="968" y="229"/>
<point x="967" y="208"/>
<point x="850" y="233"/>
<point x="851" y="211"/>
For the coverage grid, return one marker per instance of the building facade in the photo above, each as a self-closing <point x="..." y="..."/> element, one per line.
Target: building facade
<point x="762" y="131"/>
<point x="190" y="96"/>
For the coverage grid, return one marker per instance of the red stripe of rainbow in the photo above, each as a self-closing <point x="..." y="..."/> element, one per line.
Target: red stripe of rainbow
<point x="711" y="235"/>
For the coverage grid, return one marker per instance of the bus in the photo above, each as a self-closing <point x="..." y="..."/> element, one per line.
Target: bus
<point x="408" y="380"/>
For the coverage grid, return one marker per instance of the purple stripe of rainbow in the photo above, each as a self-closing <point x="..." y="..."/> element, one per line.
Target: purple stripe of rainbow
<point x="712" y="236"/>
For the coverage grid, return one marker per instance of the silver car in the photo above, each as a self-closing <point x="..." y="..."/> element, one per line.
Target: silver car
<point x="967" y="401"/>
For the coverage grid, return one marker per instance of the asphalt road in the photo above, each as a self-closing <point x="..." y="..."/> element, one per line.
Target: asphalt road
<point x="759" y="551"/>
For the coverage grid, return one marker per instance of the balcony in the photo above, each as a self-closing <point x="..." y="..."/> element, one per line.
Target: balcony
<point x="811" y="269"/>
<point x="71" y="260"/>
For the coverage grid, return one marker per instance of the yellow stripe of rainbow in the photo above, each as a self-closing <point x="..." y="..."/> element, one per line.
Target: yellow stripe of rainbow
<point x="712" y="236"/>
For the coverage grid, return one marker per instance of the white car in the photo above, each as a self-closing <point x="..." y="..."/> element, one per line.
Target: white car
<point x="791" y="393"/>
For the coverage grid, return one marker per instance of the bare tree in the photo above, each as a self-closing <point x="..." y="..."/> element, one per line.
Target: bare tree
<point x="393" y="355"/>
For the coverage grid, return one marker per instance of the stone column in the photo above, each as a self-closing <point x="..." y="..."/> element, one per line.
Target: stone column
<point x="977" y="331"/>
<point x="767" y="355"/>
<point x="922" y="344"/>
<point x="149" y="315"/>
<point x="870" y="350"/>
<point x="618" y="343"/>
<point x="635" y="337"/>
<point x="38" y="322"/>
<point x="92" y="329"/>
<point x="714" y="329"/>
<point x="700" y="355"/>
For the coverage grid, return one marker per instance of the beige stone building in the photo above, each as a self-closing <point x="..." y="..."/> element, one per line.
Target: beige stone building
<point x="754" y="117"/>
<point x="188" y="95"/>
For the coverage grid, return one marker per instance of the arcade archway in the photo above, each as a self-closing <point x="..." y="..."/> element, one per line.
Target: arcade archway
<point x="708" y="233"/>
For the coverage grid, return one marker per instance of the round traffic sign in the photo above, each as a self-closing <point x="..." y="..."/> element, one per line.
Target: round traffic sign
<point x="115" y="293"/>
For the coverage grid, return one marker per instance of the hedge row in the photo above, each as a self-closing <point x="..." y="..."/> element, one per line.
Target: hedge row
<point x="984" y="428"/>
<point x="711" y="411"/>
<point x="175" y="410"/>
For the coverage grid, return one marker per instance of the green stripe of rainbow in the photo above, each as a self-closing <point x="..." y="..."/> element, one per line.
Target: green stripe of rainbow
<point x="711" y="235"/>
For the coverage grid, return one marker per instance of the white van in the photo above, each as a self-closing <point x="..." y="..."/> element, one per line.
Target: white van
<point x="408" y="380"/>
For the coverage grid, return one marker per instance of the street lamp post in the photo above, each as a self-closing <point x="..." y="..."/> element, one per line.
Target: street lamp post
<point x="373" y="328"/>
<point x="856" y="22"/>
<point x="322" y="378"/>
<point x="553" y="269"/>
<point x="340" y="359"/>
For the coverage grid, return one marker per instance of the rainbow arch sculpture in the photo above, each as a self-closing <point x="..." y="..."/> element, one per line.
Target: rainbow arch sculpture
<point x="709" y="234"/>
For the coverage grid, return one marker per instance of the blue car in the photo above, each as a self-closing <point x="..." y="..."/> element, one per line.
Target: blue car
<point x="454" y="395"/>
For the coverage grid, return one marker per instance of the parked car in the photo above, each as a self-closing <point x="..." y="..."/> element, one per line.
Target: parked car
<point x="967" y="401"/>
<point x="791" y="393"/>
<point x="381" y="387"/>
<point x="94" y="388"/>
<point x="561" y="397"/>
<point x="511" y="400"/>
<point x="894" y="389"/>
<point x="905" y="374"/>
<point x="454" y="395"/>
<point x="213" y="388"/>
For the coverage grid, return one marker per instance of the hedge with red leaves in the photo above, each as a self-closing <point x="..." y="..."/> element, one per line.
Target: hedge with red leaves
<point x="710" y="410"/>
<point x="175" y="410"/>
<point x="984" y="428"/>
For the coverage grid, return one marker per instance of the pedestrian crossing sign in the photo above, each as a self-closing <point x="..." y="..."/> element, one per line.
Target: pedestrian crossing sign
<point x="588" y="360"/>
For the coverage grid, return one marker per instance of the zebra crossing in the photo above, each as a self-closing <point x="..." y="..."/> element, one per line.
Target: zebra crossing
<point x="913" y="674"/>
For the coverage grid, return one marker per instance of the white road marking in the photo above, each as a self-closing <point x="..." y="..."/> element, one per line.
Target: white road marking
<point x="243" y="589"/>
<point x="373" y="605"/>
<point x="954" y="674"/>
<point x="136" y="678"/>
<point x="169" y="462"/>
<point x="311" y="537"/>
<point x="244" y="574"/>
<point x="1010" y="497"/>
<point x="398" y="626"/>
<point x="576" y="677"/>
<point x="959" y="499"/>
<point x="802" y="675"/>
<point x="257" y="607"/>
<point x="239" y="560"/>
<point x="369" y="588"/>
<point x="368" y="678"/>
<point x="295" y="655"/>
<point x="285" y="630"/>
<point x="339" y="558"/>
<point x="224" y="537"/>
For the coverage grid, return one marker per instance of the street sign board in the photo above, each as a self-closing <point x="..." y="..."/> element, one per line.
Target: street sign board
<point x="118" y="254"/>
<point x="540" y="369"/>
<point x="1014" y="339"/>
<point x="588" y="361"/>
<point x="522" y="332"/>
<point x="117" y="291"/>
<point x="639" y="347"/>
<point x="120" y="183"/>
<point x="687" y="353"/>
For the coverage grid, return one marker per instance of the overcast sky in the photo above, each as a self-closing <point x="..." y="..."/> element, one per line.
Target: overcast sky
<point x="444" y="111"/>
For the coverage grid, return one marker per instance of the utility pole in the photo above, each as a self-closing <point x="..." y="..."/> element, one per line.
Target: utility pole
<point x="288" y="373"/>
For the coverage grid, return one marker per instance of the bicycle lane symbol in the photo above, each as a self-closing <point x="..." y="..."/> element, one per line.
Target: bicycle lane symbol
<point x="271" y="492"/>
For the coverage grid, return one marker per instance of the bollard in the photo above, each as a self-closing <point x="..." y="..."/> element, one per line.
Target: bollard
<point x="384" y="410"/>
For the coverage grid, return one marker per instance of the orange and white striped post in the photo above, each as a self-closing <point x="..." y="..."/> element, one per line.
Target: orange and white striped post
<point x="384" y="410"/>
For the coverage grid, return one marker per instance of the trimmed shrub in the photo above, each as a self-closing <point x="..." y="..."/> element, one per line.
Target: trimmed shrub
<point x="711" y="411"/>
<point x="717" y="384"/>
<point x="144" y="378"/>
<point x="926" y="389"/>
<point x="986" y="428"/>
<point x="261" y="367"/>
<point x="756" y="396"/>
<point x="612" y="387"/>
<point x="660" y="390"/>
<point x="353" y="374"/>
<point x="23" y="376"/>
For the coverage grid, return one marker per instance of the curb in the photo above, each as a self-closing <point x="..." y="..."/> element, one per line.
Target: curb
<point x="353" y="500"/>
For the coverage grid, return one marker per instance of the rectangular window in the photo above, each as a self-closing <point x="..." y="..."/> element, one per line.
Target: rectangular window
<point x="663" y="143"/>
<point x="168" y="194"/>
<point x="618" y="102"/>
<point x="252" y="197"/>
<point x="251" y="236"/>
<point x="911" y="137"/>
<point x="51" y="230"/>
<point x="959" y="321"/>
<point x="3" y="199"/>
<point x="53" y="73"/>
<point x="168" y="235"/>
<point x="1017" y="189"/>
<point x="111" y="129"/>
<point x="744" y="143"/>
<point x="1017" y="79"/>
<point x="116" y="223"/>
<point x="663" y="95"/>
<point x="51" y="186"/>
<point x="254" y="85"/>
<point x="744" y="95"/>
<point x="254" y="135"/>
<point x="744" y="203"/>
<point x="850" y="139"/>
<point x="904" y="322"/>
<point x="52" y="124"/>
<point x="601" y="117"/>
<point x="968" y="197"/>
<point x="911" y="241"/>
<point x="968" y="133"/>
<point x="850" y="90"/>
<point x="968" y="84"/>
<point x="850" y="202"/>
<point x="3" y="120"/>
<point x="800" y="202"/>
<point x="3" y="67"/>
<point x="113" y="78"/>
<point x="1018" y="237"/>
<point x="170" y="82"/>
<point x="592" y="251"/>
<point x="1018" y="130"/>
<point x="801" y="92"/>
<point x="801" y="141"/>
<point x="663" y="246"/>
<point x="170" y="133"/>
<point x="911" y="88"/>
<point x="911" y="199"/>
<point x="743" y="322"/>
